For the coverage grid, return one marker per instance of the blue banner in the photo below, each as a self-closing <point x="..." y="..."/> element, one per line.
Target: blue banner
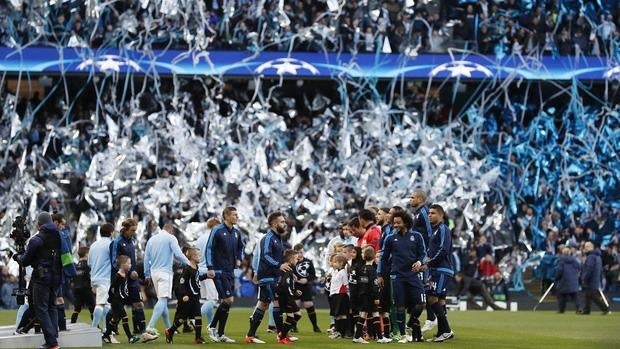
<point x="306" y="65"/>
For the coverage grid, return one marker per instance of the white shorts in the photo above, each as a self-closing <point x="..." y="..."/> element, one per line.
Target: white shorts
<point x="208" y="290"/>
<point x="162" y="282"/>
<point x="101" y="294"/>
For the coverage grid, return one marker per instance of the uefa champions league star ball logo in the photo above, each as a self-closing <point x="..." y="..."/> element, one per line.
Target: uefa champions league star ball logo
<point x="613" y="73"/>
<point x="461" y="69"/>
<point x="302" y="268"/>
<point x="109" y="63"/>
<point x="284" y="66"/>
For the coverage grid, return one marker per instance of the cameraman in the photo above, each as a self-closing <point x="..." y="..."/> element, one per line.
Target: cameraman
<point x="43" y="253"/>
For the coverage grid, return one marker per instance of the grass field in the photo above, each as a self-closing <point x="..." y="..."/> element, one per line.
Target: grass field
<point x="473" y="329"/>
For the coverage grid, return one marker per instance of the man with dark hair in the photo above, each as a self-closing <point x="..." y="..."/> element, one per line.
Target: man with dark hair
<point x="43" y="254"/>
<point x="372" y="233"/>
<point x="406" y="251"/>
<point x="60" y="222"/>
<point x="223" y="254"/>
<point x="100" y="270"/>
<point x="591" y="279"/>
<point x="385" y="293"/>
<point x="438" y="260"/>
<point x="345" y="237"/>
<point x="124" y="245"/>
<point x="423" y="225"/>
<point x="271" y="265"/>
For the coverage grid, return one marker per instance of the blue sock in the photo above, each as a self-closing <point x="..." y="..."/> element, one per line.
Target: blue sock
<point x="97" y="315"/>
<point x="20" y="313"/>
<point x="158" y="311"/>
<point x="207" y="310"/>
<point x="167" y="316"/>
<point x="272" y="322"/>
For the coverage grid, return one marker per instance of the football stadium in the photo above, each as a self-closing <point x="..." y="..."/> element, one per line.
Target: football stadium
<point x="177" y="173"/>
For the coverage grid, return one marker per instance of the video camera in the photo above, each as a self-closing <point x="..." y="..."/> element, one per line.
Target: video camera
<point x="20" y="235"/>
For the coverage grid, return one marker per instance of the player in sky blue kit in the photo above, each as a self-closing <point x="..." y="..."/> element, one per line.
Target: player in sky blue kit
<point x="159" y="253"/>
<point x="100" y="271"/>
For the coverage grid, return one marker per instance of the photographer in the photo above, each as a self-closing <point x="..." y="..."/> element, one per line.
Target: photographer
<point x="43" y="253"/>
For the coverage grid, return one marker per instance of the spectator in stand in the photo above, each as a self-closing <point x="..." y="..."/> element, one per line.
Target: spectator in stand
<point x="611" y="266"/>
<point x="488" y="268"/>
<point x="483" y="248"/>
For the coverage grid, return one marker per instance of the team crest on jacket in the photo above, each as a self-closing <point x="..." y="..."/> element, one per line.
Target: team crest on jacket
<point x="182" y="280"/>
<point x="412" y="238"/>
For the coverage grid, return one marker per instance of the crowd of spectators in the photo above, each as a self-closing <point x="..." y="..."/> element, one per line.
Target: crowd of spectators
<point x="489" y="27"/>
<point x="544" y="218"/>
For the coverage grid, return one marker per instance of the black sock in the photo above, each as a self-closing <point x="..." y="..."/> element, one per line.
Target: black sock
<point x="410" y="321"/>
<point x="296" y="318"/>
<point x="126" y="328"/>
<point x="359" y="327"/>
<point x="62" y="320"/>
<point x="216" y="317"/>
<point x="178" y="322"/>
<point x="134" y="321"/>
<point x="255" y="320"/>
<point x="223" y="318"/>
<point x="138" y="314"/>
<point x="277" y="318"/>
<point x="375" y="327"/>
<point x="198" y="327"/>
<point x="351" y="321"/>
<point x="430" y="314"/>
<point x="442" y="321"/>
<point x="312" y="316"/>
<point x="74" y="317"/>
<point x="108" y="320"/>
<point x="286" y="326"/>
<point x="387" y="326"/>
<point x="341" y="326"/>
<point x="109" y="326"/>
<point x="400" y="320"/>
<point x="415" y="315"/>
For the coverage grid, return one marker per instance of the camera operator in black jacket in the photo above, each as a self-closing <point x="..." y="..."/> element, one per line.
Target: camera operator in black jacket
<point x="43" y="254"/>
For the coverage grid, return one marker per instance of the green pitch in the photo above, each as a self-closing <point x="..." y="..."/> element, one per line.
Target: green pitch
<point x="473" y="329"/>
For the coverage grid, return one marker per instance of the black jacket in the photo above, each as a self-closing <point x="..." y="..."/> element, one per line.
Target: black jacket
<point x="43" y="254"/>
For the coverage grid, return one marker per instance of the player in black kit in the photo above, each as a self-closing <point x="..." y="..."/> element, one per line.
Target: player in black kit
<point x="188" y="296"/>
<point x="286" y="293"/>
<point x="368" y="298"/>
<point x="82" y="291"/>
<point x="305" y="273"/>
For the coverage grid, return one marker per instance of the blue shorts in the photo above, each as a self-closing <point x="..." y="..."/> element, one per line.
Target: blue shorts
<point x="224" y="284"/>
<point x="267" y="291"/>
<point x="407" y="292"/>
<point x="438" y="283"/>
